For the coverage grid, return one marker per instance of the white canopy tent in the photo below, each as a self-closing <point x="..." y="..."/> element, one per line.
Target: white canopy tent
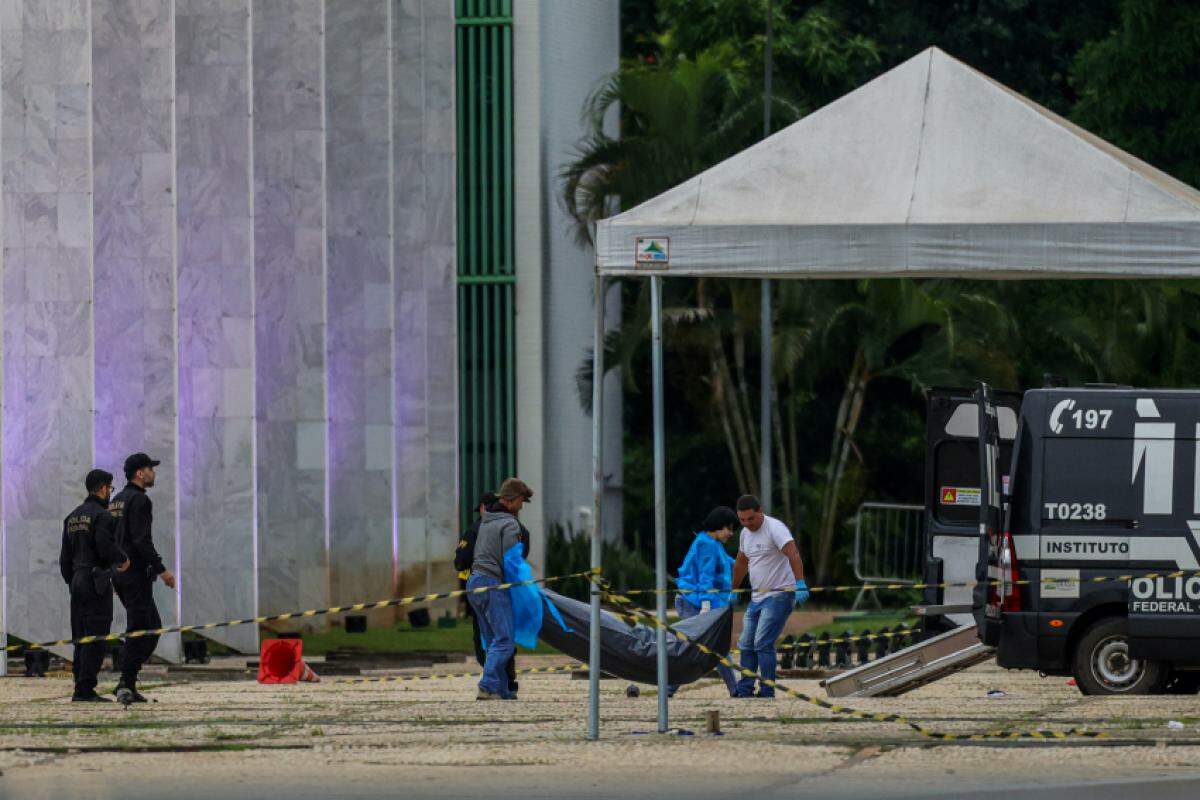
<point x="930" y="170"/>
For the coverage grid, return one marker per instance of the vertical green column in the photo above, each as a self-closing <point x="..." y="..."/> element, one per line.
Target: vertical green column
<point x="486" y="275"/>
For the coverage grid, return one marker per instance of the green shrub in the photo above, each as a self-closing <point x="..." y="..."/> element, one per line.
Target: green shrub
<point x="568" y="552"/>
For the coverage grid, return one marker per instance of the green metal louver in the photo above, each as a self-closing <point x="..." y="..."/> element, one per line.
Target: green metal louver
<point x="486" y="274"/>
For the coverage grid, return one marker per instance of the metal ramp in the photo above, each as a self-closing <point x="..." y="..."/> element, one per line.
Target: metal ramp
<point x="913" y="666"/>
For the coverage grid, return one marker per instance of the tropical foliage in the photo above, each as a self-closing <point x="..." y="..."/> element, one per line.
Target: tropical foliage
<point x="851" y="359"/>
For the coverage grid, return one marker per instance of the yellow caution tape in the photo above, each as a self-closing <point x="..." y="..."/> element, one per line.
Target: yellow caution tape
<point x="312" y="612"/>
<point x="860" y="587"/>
<point x="868" y="637"/>
<point x="929" y="733"/>
<point x="633" y="619"/>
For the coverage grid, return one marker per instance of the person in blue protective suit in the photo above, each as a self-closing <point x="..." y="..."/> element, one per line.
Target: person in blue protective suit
<point x="706" y="576"/>
<point x="499" y="534"/>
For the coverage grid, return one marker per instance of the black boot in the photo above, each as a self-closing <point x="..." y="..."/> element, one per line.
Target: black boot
<point x="90" y="697"/>
<point x="128" y="695"/>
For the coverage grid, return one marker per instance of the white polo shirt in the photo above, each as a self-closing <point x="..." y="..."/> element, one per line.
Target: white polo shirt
<point x="770" y="570"/>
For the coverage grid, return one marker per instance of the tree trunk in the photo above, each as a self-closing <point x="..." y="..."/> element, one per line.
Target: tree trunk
<point x="849" y="414"/>
<point x="785" y="468"/>
<point x="735" y="458"/>
<point x="732" y="426"/>
<point x="839" y="427"/>
<point x="743" y="437"/>
<point x="743" y="390"/>
<point x="793" y="449"/>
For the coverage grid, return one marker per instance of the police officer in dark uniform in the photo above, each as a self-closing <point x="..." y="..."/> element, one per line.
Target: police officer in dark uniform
<point x="88" y="559"/>
<point x="133" y="512"/>
<point x="464" y="557"/>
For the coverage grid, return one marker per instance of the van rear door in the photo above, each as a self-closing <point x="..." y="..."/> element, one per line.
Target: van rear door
<point x="991" y="571"/>
<point x="953" y="497"/>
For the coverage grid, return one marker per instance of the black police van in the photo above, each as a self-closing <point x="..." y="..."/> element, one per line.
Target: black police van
<point x="1077" y="511"/>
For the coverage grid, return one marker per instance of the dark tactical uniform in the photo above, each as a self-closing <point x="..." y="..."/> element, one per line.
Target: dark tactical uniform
<point x="464" y="557"/>
<point x="133" y="512"/>
<point x="88" y="558"/>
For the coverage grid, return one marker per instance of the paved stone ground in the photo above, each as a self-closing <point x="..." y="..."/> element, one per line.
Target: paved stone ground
<point x="431" y="739"/>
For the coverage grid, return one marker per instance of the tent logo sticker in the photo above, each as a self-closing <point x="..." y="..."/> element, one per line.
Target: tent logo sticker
<point x="653" y="251"/>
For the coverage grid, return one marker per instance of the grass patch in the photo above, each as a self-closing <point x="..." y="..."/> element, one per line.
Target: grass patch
<point x="402" y="638"/>
<point x="874" y="623"/>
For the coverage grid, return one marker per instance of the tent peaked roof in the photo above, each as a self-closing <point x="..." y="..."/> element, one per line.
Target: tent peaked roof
<point x="930" y="169"/>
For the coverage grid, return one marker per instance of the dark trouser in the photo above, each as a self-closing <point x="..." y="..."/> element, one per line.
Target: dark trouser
<point x="137" y="595"/>
<point x="481" y="656"/>
<point x="495" y="614"/>
<point x="91" y="615"/>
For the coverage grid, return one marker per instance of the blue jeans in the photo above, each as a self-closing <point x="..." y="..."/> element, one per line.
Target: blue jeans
<point x="761" y="626"/>
<point x="494" y="612"/>
<point x="687" y="610"/>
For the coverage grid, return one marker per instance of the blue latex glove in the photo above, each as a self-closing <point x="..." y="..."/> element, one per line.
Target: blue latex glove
<point x="802" y="593"/>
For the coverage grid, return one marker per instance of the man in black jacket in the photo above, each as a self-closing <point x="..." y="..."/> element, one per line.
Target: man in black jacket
<point x="133" y="512"/>
<point x="88" y="558"/>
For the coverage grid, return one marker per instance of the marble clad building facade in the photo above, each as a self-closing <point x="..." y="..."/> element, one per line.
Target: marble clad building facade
<point x="227" y="239"/>
<point x="209" y="254"/>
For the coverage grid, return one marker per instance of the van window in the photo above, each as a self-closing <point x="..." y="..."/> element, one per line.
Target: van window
<point x="956" y="480"/>
<point x="964" y="422"/>
<point x="1020" y="483"/>
<point x="956" y="467"/>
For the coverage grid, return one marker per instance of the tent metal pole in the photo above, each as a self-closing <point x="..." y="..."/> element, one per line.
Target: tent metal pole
<point x="660" y="496"/>
<point x="764" y="461"/>
<point x="598" y="503"/>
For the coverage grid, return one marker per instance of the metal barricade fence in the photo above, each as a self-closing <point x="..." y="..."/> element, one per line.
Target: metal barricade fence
<point x="889" y="546"/>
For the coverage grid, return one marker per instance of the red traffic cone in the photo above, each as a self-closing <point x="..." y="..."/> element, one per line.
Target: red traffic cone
<point x="280" y="661"/>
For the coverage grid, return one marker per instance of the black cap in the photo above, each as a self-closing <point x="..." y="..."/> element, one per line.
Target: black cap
<point x="136" y="462"/>
<point x="487" y="500"/>
<point x="96" y="479"/>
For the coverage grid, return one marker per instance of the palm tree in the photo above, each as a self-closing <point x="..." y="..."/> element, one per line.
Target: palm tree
<point x="676" y="120"/>
<point x="923" y="332"/>
<point x="1143" y="333"/>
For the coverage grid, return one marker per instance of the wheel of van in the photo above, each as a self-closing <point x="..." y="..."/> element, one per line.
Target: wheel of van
<point x="1102" y="664"/>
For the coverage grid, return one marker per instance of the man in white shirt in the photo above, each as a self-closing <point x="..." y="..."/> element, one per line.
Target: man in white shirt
<point x="768" y="552"/>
